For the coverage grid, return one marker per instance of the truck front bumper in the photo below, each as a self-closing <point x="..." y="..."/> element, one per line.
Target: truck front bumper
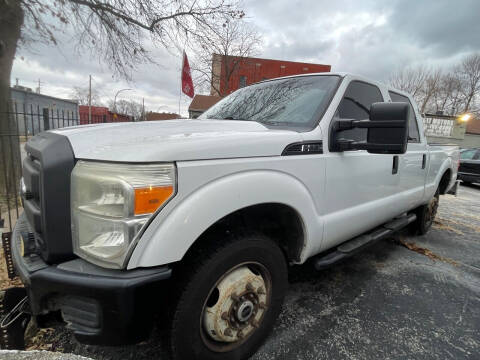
<point x="101" y="306"/>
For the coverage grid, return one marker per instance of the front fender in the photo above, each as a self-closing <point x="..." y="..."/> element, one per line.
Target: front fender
<point x="167" y="240"/>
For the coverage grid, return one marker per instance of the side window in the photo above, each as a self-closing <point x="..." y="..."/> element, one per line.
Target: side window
<point x="413" y="135"/>
<point x="468" y="154"/>
<point x="477" y="155"/>
<point x="355" y="105"/>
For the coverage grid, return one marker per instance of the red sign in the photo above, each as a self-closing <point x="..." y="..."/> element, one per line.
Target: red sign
<point x="187" y="83"/>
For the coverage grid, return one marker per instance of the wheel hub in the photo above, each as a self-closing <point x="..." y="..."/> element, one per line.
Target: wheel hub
<point x="236" y="306"/>
<point x="245" y="311"/>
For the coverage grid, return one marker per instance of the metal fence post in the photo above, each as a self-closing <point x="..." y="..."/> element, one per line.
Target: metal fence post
<point x="46" y="122"/>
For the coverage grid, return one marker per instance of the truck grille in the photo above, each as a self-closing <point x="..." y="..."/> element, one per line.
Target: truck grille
<point x="46" y="194"/>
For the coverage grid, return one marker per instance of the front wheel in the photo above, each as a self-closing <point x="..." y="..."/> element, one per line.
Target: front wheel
<point x="230" y="297"/>
<point x="425" y="216"/>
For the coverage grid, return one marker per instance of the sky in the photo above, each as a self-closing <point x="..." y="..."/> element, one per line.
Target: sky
<point x="370" y="37"/>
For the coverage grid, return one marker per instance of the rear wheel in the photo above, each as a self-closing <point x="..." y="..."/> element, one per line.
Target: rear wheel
<point x="425" y="216"/>
<point x="229" y="300"/>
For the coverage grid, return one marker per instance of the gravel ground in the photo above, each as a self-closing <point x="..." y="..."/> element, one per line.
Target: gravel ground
<point x="38" y="355"/>
<point x="404" y="298"/>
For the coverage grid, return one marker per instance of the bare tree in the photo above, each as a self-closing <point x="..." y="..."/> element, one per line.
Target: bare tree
<point x="80" y="94"/>
<point x="11" y="20"/>
<point x="127" y="107"/>
<point x="421" y="82"/>
<point x="410" y="80"/>
<point x="430" y="87"/>
<point x="448" y="97"/>
<point x="119" y="30"/>
<point x="230" y="45"/>
<point x="469" y="71"/>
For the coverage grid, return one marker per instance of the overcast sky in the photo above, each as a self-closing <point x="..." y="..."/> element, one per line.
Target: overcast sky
<point x="368" y="37"/>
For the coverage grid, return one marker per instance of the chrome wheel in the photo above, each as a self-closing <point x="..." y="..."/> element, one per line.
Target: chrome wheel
<point x="236" y="306"/>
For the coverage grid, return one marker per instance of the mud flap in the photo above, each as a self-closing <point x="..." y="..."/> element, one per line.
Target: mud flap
<point x="14" y="318"/>
<point x="454" y="189"/>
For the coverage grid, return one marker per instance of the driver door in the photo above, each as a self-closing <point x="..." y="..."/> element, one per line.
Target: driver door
<point x="361" y="188"/>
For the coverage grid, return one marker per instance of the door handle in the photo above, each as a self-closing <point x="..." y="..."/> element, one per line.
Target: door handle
<point x="395" y="165"/>
<point x="424" y="161"/>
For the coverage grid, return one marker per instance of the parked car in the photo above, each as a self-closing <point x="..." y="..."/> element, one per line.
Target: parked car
<point x="200" y="219"/>
<point x="469" y="170"/>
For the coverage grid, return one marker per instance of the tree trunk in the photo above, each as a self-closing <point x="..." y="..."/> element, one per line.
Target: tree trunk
<point x="424" y="104"/>
<point x="469" y="100"/>
<point x="11" y="20"/>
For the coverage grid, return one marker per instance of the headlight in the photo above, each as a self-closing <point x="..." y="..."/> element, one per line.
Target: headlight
<point x="110" y="204"/>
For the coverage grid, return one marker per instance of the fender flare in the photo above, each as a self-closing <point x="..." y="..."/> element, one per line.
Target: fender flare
<point x="167" y="240"/>
<point x="446" y="166"/>
<point x="431" y="188"/>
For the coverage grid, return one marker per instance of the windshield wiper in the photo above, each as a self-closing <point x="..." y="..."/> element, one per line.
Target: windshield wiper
<point x="232" y="118"/>
<point x="271" y="122"/>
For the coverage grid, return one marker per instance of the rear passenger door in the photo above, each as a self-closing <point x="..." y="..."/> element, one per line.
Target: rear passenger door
<point x="412" y="164"/>
<point x="360" y="187"/>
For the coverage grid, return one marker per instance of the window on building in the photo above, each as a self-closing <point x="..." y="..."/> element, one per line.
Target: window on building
<point x="243" y="81"/>
<point x="413" y="134"/>
<point x="356" y="106"/>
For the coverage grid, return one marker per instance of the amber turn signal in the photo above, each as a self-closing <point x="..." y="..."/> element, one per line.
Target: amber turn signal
<point x="148" y="200"/>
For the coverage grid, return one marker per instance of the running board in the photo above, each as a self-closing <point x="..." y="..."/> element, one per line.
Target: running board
<point x="353" y="246"/>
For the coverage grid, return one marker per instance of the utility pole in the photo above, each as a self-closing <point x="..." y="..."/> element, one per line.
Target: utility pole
<point x="89" y="99"/>
<point x="39" y="86"/>
<point x="143" y="109"/>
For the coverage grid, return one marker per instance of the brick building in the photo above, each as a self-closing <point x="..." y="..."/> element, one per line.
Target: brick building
<point x="154" y="116"/>
<point x="200" y="104"/>
<point x="101" y="114"/>
<point x="232" y="72"/>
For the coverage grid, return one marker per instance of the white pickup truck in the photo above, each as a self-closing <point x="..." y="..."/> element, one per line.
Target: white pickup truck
<point x="200" y="219"/>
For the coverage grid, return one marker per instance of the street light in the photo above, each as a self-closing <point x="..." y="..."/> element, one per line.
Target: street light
<point x="115" y="99"/>
<point x="465" y="117"/>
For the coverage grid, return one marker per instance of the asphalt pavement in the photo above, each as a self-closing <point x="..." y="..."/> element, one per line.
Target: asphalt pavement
<point x="390" y="302"/>
<point x="403" y="298"/>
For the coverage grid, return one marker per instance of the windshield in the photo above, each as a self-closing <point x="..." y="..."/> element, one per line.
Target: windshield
<point x="296" y="102"/>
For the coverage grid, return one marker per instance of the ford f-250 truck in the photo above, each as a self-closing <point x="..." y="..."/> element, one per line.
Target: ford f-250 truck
<point x="200" y="219"/>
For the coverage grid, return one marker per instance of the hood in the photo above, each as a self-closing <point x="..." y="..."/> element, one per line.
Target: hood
<point x="176" y="140"/>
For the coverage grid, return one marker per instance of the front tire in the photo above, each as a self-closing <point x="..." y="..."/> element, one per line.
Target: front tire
<point x="425" y="216"/>
<point x="229" y="297"/>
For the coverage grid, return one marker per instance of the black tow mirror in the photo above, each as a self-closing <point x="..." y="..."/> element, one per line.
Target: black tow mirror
<point x="387" y="130"/>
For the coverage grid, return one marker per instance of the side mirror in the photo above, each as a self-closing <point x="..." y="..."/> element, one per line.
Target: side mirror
<point x="387" y="130"/>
